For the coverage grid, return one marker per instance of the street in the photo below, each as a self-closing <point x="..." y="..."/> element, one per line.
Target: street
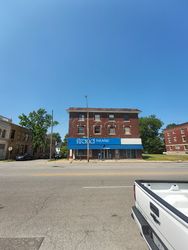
<point x="74" y="206"/>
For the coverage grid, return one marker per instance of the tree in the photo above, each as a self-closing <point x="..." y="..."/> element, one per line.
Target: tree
<point x="64" y="147"/>
<point x="38" y="123"/>
<point x="150" y="134"/>
<point x="171" y="125"/>
<point x="56" y="136"/>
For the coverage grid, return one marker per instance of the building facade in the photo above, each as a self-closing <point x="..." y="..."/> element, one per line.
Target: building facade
<point x="20" y="141"/>
<point x="4" y="136"/>
<point x="106" y="133"/>
<point x="176" y="139"/>
<point x="14" y="139"/>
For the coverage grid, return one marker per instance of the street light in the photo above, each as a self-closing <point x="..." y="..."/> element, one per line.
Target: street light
<point x="87" y="129"/>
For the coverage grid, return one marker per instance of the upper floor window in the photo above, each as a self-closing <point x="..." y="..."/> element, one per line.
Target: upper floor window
<point x="182" y="131"/>
<point x="97" y="129"/>
<point x="111" y="117"/>
<point x="26" y="137"/>
<point x="168" y="134"/>
<point x="12" y="135"/>
<point x="126" y="118"/>
<point x="97" y="117"/>
<point x="3" y="133"/>
<point x="112" y="130"/>
<point x="80" y="129"/>
<point x="175" y="139"/>
<point x="127" y="130"/>
<point x="169" y="140"/>
<point x="183" y="139"/>
<point x="81" y="117"/>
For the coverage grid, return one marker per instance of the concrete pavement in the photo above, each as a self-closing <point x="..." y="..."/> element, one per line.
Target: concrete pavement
<point x="57" y="205"/>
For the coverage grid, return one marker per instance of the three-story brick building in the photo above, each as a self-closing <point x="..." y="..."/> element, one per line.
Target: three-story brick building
<point x="113" y="133"/>
<point x="176" y="139"/>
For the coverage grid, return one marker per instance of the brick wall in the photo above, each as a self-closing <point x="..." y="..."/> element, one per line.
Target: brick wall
<point x="176" y="139"/>
<point x="119" y="123"/>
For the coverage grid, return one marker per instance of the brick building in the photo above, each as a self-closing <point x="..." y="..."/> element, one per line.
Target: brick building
<point x="15" y="137"/>
<point x="176" y="139"/>
<point x="4" y="136"/>
<point x="20" y="140"/>
<point x="113" y="133"/>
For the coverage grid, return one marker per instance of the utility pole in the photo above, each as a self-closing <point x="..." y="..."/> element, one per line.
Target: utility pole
<point x="87" y="129"/>
<point x="51" y="136"/>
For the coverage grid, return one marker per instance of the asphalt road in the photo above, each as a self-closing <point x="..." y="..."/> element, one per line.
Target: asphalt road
<point x="79" y="206"/>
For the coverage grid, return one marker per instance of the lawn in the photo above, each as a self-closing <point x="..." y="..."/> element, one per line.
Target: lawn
<point x="161" y="157"/>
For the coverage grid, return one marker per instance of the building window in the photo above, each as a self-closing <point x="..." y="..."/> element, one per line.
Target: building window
<point x="186" y="147"/>
<point x="127" y="130"/>
<point x="177" y="147"/>
<point x="171" y="148"/>
<point x="4" y="133"/>
<point x="97" y="117"/>
<point x="182" y="131"/>
<point x="183" y="139"/>
<point x="81" y="117"/>
<point x="169" y="140"/>
<point x="26" y="137"/>
<point x="126" y="118"/>
<point x="97" y="130"/>
<point x="2" y="147"/>
<point x="168" y="134"/>
<point x="175" y="139"/>
<point x="111" y="117"/>
<point x="80" y="129"/>
<point x="12" y="135"/>
<point x="112" y="130"/>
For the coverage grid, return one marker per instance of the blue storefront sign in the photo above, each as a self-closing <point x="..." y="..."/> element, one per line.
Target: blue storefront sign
<point x="100" y="143"/>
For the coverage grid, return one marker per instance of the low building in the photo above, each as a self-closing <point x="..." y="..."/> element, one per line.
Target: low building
<point x="5" y="129"/>
<point x="104" y="133"/>
<point x="176" y="139"/>
<point x="20" y="141"/>
<point x="14" y="139"/>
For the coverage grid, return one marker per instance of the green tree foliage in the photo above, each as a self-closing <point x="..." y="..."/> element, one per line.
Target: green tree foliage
<point x="57" y="137"/>
<point x="171" y="125"/>
<point x="152" y="139"/>
<point x="64" y="147"/>
<point x="38" y="122"/>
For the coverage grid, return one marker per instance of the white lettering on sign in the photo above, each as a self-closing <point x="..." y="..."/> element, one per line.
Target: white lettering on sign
<point x="85" y="141"/>
<point x="102" y="140"/>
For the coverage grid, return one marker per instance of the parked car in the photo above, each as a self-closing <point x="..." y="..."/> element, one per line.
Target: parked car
<point x="58" y="156"/>
<point x="24" y="157"/>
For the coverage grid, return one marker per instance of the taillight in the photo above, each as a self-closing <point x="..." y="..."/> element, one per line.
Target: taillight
<point x="134" y="187"/>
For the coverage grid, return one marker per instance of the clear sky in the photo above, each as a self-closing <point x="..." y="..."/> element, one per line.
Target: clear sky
<point x="121" y="53"/>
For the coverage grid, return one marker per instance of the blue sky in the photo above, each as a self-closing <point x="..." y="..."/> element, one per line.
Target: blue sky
<point x="121" y="53"/>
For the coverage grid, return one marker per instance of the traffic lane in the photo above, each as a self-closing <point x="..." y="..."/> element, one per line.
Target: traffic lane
<point x="99" y="219"/>
<point x="68" y="214"/>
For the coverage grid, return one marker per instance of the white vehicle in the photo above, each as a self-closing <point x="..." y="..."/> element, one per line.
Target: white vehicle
<point x="161" y="212"/>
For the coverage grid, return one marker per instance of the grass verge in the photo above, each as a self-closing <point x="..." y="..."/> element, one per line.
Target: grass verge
<point x="161" y="157"/>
